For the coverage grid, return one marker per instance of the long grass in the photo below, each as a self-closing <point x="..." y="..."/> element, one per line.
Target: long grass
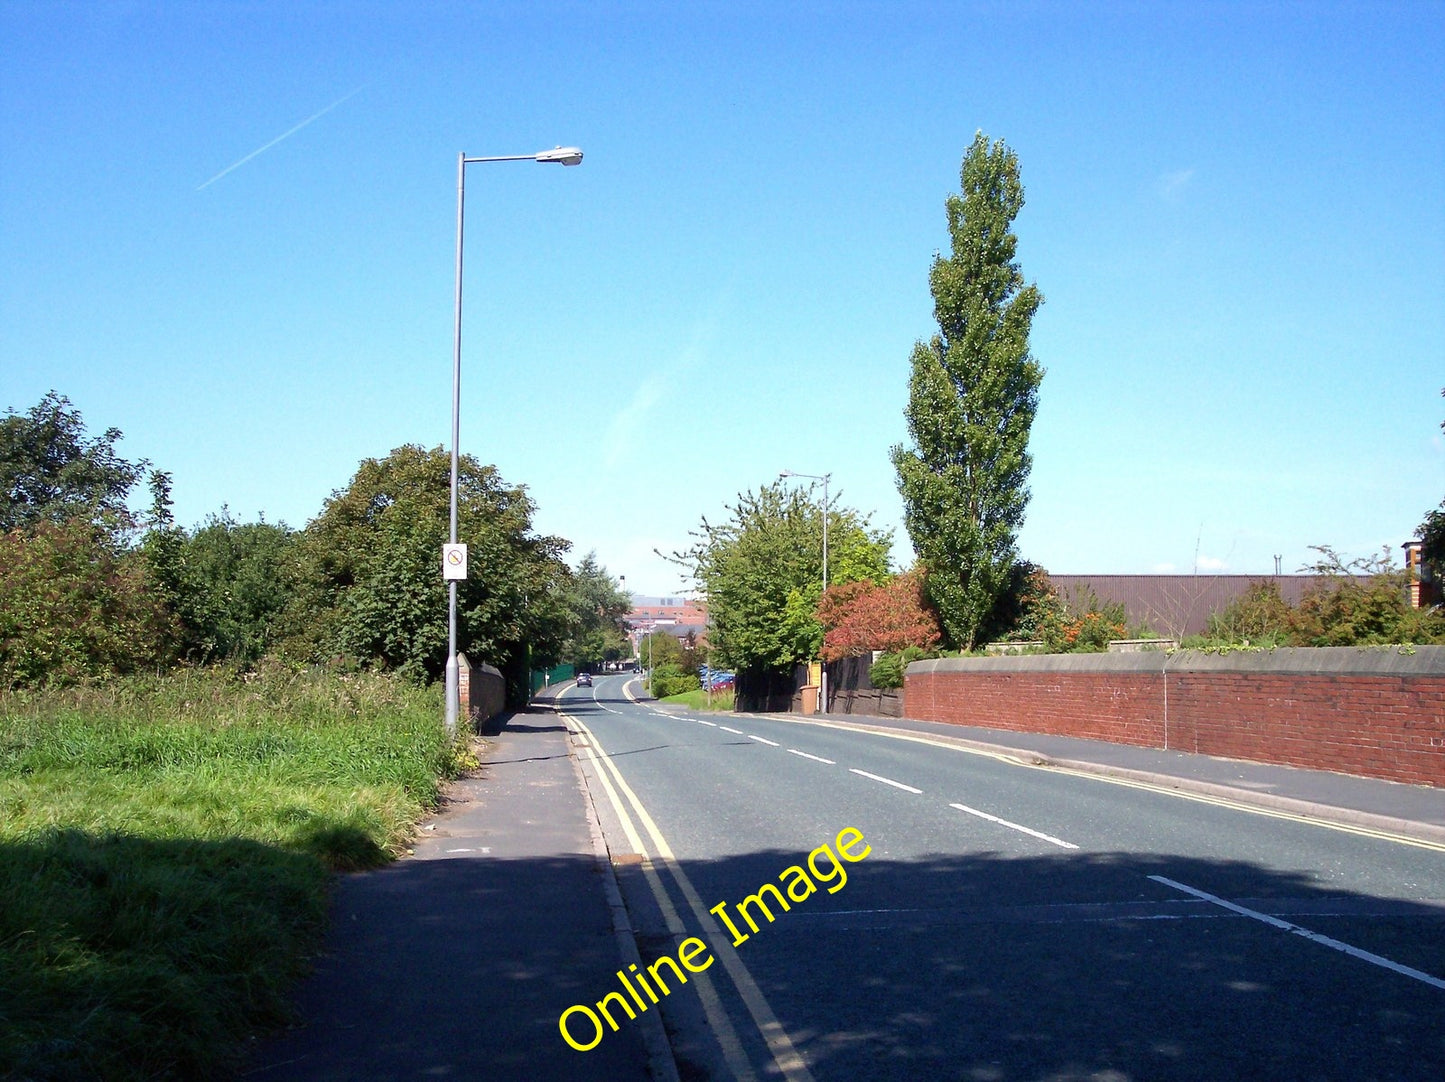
<point x="165" y="851"/>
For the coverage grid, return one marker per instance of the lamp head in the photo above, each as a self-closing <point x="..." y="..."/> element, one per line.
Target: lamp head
<point x="565" y="155"/>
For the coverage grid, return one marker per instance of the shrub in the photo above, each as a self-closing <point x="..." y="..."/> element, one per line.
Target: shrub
<point x="1260" y="617"/>
<point x="1358" y="602"/>
<point x="671" y="680"/>
<point x="888" y="670"/>
<point x="73" y="605"/>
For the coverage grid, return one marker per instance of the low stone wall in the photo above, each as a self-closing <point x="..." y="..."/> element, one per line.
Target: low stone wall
<point x="1377" y="712"/>
<point x="481" y="691"/>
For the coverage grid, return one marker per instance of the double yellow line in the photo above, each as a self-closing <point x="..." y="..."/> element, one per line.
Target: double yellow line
<point x="785" y="1056"/>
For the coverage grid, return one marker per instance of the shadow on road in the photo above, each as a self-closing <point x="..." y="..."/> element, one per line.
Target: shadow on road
<point x="1082" y="967"/>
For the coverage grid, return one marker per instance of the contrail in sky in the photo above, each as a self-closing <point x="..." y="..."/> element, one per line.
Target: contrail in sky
<point x="283" y="135"/>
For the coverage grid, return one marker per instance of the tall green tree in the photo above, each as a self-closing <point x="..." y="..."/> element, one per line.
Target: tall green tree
<point x="227" y="582"/>
<point x="368" y="570"/>
<point x="972" y="393"/>
<point x="761" y="570"/>
<point x="597" y="605"/>
<point x="50" y="471"/>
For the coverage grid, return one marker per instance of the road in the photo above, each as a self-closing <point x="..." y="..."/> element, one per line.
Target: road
<point x="1007" y="922"/>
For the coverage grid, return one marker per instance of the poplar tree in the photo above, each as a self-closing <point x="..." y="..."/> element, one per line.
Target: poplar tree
<point x="972" y="394"/>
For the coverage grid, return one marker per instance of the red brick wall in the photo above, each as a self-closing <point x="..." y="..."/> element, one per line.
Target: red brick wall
<point x="481" y="691"/>
<point x="1319" y="709"/>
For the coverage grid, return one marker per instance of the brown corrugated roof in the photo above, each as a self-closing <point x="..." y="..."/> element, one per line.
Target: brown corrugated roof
<point x="1176" y="605"/>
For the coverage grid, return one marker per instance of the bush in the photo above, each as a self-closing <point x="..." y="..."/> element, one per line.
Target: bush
<point x="1261" y="617"/>
<point x="671" y="680"/>
<point x="1359" y="602"/>
<point x="74" y="605"/>
<point x="888" y="670"/>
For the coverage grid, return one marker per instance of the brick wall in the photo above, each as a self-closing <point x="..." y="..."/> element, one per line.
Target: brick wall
<point x="481" y="691"/>
<point x="1376" y="712"/>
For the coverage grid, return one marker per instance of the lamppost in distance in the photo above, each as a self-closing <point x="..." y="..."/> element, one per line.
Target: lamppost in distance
<point x="822" y="665"/>
<point x="454" y="556"/>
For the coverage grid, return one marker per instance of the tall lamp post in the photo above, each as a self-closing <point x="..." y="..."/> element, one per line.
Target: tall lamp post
<point x="564" y="156"/>
<point x="822" y="665"/>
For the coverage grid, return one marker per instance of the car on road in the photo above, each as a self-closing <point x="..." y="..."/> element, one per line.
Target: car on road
<point x="584" y="679"/>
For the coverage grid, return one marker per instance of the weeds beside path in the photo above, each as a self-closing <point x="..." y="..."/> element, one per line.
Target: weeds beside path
<point x="165" y="851"/>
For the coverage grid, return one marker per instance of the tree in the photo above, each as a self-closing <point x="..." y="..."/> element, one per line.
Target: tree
<point x="860" y="617"/>
<point x="227" y="582"/>
<point x="75" y="599"/>
<point x="368" y="570"/>
<point x="597" y="606"/>
<point x="761" y="571"/>
<point x="75" y="605"/>
<point x="972" y="394"/>
<point x="50" y="472"/>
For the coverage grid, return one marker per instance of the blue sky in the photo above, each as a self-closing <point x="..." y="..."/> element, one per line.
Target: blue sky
<point x="228" y="230"/>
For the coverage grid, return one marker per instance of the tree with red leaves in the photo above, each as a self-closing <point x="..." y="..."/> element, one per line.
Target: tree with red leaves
<point x="859" y="617"/>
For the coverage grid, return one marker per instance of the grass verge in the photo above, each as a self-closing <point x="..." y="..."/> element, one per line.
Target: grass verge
<point x="697" y="700"/>
<point x="165" y="853"/>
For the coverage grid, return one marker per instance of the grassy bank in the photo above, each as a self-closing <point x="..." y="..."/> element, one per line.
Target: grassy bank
<point x="697" y="700"/>
<point x="165" y="850"/>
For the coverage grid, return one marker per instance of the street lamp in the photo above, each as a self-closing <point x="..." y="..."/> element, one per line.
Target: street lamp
<point x="822" y="665"/>
<point x="566" y="156"/>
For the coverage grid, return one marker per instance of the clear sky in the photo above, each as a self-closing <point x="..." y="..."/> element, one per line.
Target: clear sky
<point x="228" y="230"/>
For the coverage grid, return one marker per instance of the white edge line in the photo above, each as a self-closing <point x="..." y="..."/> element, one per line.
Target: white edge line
<point x="885" y="781"/>
<point x="1015" y="826"/>
<point x="815" y="758"/>
<point x="1314" y="937"/>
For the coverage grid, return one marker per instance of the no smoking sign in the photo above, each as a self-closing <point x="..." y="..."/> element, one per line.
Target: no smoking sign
<point x="454" y="563"/>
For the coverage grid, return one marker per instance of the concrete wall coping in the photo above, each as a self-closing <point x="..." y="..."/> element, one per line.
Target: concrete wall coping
<point x="1320" y="661"/>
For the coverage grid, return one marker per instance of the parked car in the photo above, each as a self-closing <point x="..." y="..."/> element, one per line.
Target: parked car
<point x="584" y="679"/>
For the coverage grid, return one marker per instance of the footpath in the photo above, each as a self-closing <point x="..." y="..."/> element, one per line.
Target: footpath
<point x="455" y="962"/>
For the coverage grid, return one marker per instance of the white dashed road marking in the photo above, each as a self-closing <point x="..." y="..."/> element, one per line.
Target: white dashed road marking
<point x="1313" y="937"/>
<point x="885" y="781"/>
<point x="815" y="758"/>
<point x="1014" y="826"/>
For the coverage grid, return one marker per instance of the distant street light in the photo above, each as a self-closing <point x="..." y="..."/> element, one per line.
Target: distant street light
<point x="566" y="156"/>
<point x="822" y="665"/>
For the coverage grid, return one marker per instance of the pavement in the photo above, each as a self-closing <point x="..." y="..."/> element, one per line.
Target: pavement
<point x="456" y="961"/>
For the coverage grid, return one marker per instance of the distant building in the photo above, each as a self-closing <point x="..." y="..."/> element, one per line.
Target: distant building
<point x="1176" y="605"/>
<point x="676" y="616"/>
<point x="1424" y="589"/>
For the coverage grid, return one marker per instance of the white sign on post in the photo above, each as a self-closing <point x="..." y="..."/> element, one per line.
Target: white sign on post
<point x="454" y="563"/>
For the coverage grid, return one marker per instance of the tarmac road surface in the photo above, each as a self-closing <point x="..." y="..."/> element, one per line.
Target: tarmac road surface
<point x="1007" y="922"/>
